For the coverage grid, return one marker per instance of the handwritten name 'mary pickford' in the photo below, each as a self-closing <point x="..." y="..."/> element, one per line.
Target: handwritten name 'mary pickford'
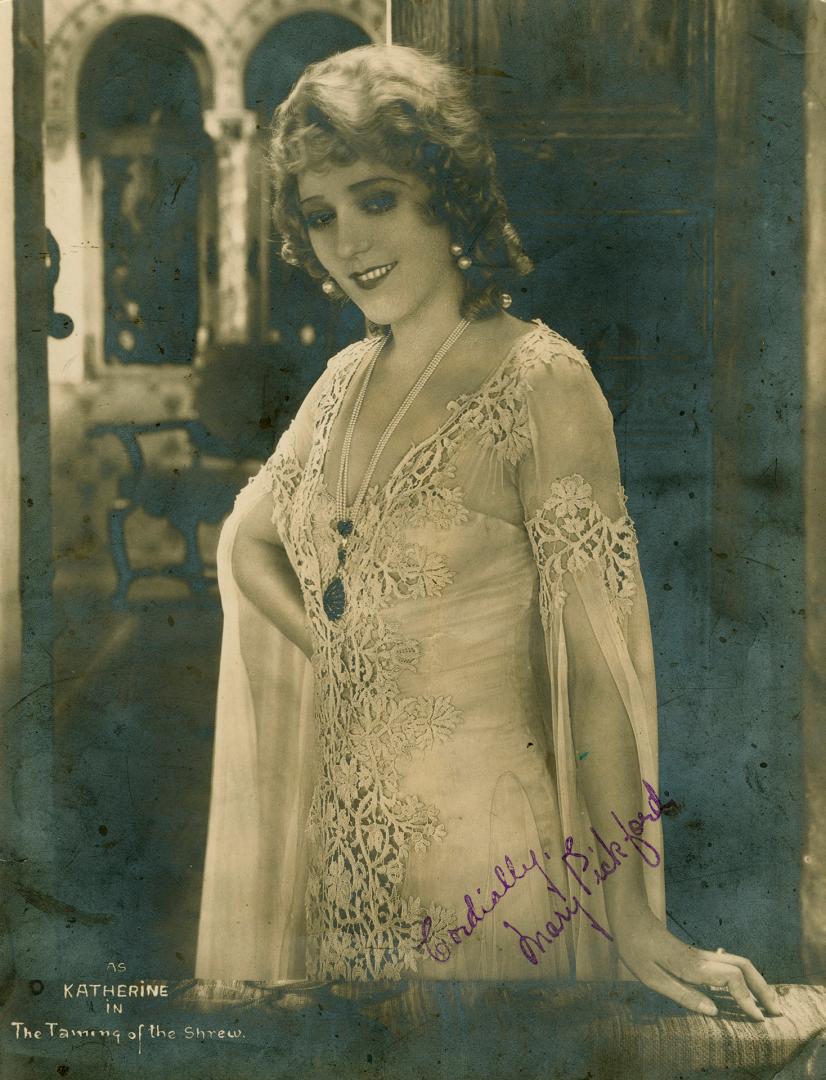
<point x="595" y="868"/>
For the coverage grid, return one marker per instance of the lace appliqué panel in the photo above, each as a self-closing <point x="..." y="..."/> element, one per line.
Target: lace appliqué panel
<point x="498" y="415"/>
<point x="282" y="474"/>
<point x="569" y="532"/>
<point x="361" y="826"/>
<point x="547" y="346"/>
<point x="500" y="419"/>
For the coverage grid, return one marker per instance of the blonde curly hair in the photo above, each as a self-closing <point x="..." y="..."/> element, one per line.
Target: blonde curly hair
<point x="413" y="112"/>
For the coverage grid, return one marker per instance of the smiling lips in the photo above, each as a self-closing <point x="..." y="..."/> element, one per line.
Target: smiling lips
<point x="369" y="279"/>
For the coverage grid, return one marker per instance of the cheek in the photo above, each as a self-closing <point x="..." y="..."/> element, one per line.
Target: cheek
<point x="434" y="246"/>
<point x="317" y="246"/>
<point x="429" y="239"/>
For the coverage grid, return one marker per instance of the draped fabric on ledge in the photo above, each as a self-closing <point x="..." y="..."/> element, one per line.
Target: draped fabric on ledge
<point x="424" y="765"/>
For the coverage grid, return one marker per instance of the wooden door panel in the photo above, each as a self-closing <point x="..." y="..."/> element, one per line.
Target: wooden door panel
<point x="593" y="66"/>
<point x="626" y="286"/>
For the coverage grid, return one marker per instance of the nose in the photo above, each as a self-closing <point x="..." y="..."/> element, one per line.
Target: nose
<point x="352" y="237"/>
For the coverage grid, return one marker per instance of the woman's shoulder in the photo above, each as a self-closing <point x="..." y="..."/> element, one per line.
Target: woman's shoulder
<point x="556" y="383"/>
<point x="548" y="366"/>
<point x="541" y="349"/>
<point x="544" y="387"/>
<point x="339" y="363"/>
<point x="349" y="355"/>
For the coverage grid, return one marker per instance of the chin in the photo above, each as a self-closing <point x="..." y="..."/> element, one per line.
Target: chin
<point x="379" y="313"/>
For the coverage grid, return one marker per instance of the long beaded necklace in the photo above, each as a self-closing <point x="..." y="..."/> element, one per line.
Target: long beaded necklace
<point x="334" y="600"/>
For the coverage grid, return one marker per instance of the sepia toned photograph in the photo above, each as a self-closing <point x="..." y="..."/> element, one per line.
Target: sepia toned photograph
<point x="412" y="625"/>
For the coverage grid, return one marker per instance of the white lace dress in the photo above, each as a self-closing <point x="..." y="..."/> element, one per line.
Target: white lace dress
<point x="399" y="806"/>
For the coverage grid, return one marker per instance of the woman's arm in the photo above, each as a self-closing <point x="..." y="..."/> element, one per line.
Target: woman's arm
<point x="601" y="667"/>
<point x="610" y="782"/>
<point x="264" y="575"/>
<point x="608" y="771"/>
<point x="608" y="776"/>
<point x="260" y="565"/>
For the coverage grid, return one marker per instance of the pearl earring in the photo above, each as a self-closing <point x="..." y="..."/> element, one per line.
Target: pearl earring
<point x="328" y="286"/>
<point x="506" y="300"/>
<point x="463" y="261"/>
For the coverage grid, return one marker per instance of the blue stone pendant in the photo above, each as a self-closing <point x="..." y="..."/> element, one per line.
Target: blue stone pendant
<point x="333" y="599"/>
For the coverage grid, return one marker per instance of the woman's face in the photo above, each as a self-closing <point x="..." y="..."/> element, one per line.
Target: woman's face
<point x="368" y="227"/>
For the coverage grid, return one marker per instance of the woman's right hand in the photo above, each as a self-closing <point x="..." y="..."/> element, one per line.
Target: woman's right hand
<point x="264" y="574"/>
<point x="680" y="971"/>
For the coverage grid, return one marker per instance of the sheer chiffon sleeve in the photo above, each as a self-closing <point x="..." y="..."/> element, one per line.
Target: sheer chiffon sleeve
<point x="252" y="921"/>
<point x="593" y="609"/>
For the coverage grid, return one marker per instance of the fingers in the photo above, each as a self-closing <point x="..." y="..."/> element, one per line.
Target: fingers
<point x="688" y="996"/>
<point x="758" y="986"/>
<point x="733" y="973"/>
<point x="738" y="988"/>
<point x="675" y="970"/>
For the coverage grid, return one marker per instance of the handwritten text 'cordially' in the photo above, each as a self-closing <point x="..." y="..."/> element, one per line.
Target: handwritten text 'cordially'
<point x="582" y="868"/>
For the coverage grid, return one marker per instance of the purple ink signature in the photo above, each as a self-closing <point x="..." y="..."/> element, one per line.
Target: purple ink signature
<point x="576" y="863"/>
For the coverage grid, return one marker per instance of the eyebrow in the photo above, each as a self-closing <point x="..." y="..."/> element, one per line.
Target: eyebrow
<point x="359" y="184"/>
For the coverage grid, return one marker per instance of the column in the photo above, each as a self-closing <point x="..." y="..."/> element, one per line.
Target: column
<point x="9" y="453"/>
<point x="29" y="829"/>
<point x="232" y="133"/>
<point x="813" y="881"/>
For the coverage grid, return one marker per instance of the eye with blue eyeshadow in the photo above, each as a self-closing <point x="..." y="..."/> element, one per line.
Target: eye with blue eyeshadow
<point x="320" y="219"/>
<point x="379" y="202"/>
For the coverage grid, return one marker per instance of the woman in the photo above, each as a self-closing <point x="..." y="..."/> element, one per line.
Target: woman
<point x="436" y="743"/>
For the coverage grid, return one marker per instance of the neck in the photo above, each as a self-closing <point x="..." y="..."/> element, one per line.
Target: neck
<point x="422" y="333"/>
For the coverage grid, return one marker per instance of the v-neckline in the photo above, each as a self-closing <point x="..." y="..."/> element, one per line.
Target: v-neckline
<point x="461" y="402"/>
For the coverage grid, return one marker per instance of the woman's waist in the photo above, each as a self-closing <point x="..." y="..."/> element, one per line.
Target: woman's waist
<point x="485" y="709"/>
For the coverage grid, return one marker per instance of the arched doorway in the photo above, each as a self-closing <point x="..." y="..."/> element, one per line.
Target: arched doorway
<point x="147" y="166"/>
